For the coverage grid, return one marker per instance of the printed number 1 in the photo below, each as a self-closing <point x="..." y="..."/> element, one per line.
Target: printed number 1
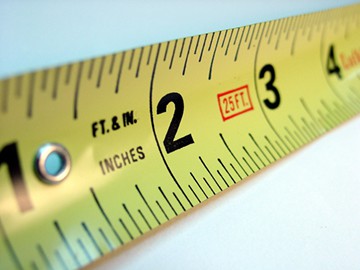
<point x="9" y="155"/>
<point x="170" y="143"/>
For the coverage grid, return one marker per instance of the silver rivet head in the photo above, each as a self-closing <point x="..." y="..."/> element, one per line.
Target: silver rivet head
<point x="52" y="163"/>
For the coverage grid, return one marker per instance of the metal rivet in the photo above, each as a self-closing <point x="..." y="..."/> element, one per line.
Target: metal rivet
<point x="52" y="163"/>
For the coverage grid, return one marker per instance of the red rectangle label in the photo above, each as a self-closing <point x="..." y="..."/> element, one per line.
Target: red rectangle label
<point x="234" y="102"/>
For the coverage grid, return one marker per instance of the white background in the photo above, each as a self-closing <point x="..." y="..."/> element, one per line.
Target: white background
<point x="300" y="213"/>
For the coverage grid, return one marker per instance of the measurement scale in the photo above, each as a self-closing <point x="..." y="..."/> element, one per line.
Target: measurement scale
<point x="147" y="134"/>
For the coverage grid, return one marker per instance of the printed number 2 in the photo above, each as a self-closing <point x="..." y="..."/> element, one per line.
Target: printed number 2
<point x="270" y="86"/>
<point x="170" y="143"/>
<point x="9" y="155"/>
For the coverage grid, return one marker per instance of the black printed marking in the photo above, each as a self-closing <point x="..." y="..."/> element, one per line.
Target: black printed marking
<point x="34" y="266"/>
<point x="206" y="182"/>
<point x="131" y="59"/>
<point x="44" y="79"/>
<point x="219" y="173"/>
<point x="223" y="42"/>
<point x="166" y="50"/>
<point x="10" y="247"/>
<point x="100" y="71"/>
<point x="303" y="25"/>
<point x="274" y="24"/>
<point x="211" y="41"/>
<point x="238" y="47"/>
<point x="226" y="170"/>
<point x="61" y="260"/>
<point x="292" y="137"/>
<point x="183" y="208"/>
<point x="271" y="154"/>
<point x="68" y="74"/>
<point x="197" y="44"/>
<point x="244" y="159"/>
<point x="252" y="35"/>
<point x="257" y="145"/>
<point x="92" y="239"/>
<point x="279" y="145"/>
<point x="105" y="215"/>
<point x="126" y="229"/>
<point x="213" y="57"/>
<point x="66" y="242"/>
<point x="290" y="143"/>
<point x="197" y="183"/>
<point x="237" y="173"/>
<point x="202" y="48"/>
<point x="268" y="140"/>
<point x="44" y="257"/>
<point x="257" y="91"/>
<point x="311" y="27"/>
<point x="311" y="115"/>
<point x="182" y="47"/>
<point x="162" y="210"/>
<point x="285" y="26"/>
<point x="166" y="199"/>
<point x="313" y="134"/>
<point x="259" y="158"/>
<point x="146" y="203"/>
<point x="246" y="151"/>
<point x="248" y="32"/>
<point x="298" y="128"/>
<point x="18" y="86"/>
<point x="107" y="241"/>
<point x="84" y="249"/>
<point x="329" y="124"/>
<point x="187" y="56"/>
<point x="77" y="89"/>
<point x="91" y="68"/>
<point x="111" y="68"/>
<point x="228" y="44"/>
<point x="31" y="95"/>
<point x="268" y="30"/>
<point x="119" y="72"/>
<point x="236" y="35"/>
<point x="298" y="136"/>
<point x="331" y="114"/>
<point x="232" y="154"/>
<point x="5" y="96"/>
<point x="149" y="55"/>
<point x="279" y="35"/>
<point x="132" y="219"/>
<point x="56" y="83"/>
<point x="144" y="218"/>
<point x="139" y="63"/>
<point x="288" y="30"/>
<point x="153" y="126"/>
<point x="173" y="54"/>
<point x="258" y="30"/>
<point x="194" y="193"/>
<point x="211" y="175"/>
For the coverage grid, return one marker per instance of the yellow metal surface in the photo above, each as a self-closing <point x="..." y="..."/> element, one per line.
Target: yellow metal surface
<point x="154" y="131"/>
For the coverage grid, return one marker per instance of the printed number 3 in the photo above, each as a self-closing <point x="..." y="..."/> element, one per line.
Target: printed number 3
<point x="170" y="143"/>
<point x="270" y="86"/>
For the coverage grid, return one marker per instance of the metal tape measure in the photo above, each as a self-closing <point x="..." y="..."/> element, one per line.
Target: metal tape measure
<point x="94" y="154"/>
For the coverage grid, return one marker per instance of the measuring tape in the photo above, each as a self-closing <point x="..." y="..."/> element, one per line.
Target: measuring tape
<point x="95" y="154"/>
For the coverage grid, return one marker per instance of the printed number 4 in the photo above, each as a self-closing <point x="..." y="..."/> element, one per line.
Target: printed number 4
<point x="170" y="143"/>
<point x="331" y="65"/>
